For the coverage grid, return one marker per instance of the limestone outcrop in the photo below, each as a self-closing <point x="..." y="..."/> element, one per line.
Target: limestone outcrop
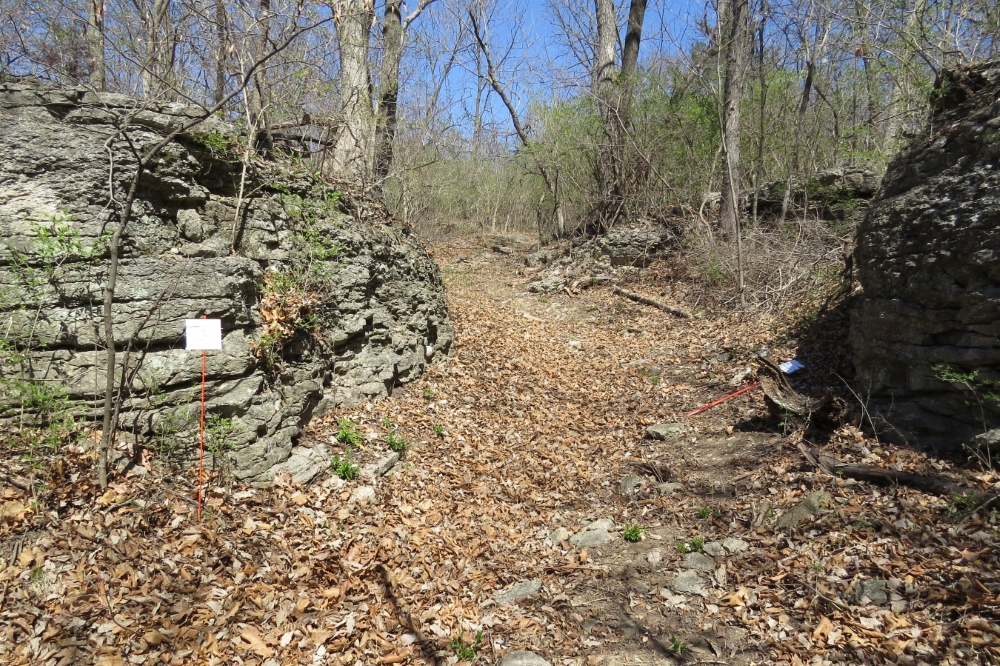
<point x="831" y="194"/>
<point x="324" y="299"/>
<point x="926" y="333"/>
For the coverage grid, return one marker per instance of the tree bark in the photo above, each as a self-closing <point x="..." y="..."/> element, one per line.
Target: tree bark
<point x="614" y="98"/>
<point x="734" y="25"/>
<point x="630" y="59"/>
<point x="392" y="54"/>
<point x="95" y="43"/>
<point x="222" y="35"/>
<point x="608" y="203"/>
<point x="256" y="92"/>
<point x="155" y="73"/>
<point x="354" y="152"/>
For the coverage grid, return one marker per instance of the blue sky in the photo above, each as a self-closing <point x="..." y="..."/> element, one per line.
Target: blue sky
<point x="668" y="27"/>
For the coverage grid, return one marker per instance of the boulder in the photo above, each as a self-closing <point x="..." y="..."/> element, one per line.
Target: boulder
<point x="665" y="431"/>
<point x="926" y="331"/>
<point x="635" y="246"/>
<point x="546" y="285"/>
<point x="833" y="194"/>
<point x="810" y="505"/>
<point x="370" y="303"/>
<point x="518" y="591"/>
<point x="523" y="658"/>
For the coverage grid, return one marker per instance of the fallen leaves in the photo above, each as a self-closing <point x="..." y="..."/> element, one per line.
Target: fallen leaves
<point x="534" y="436"/>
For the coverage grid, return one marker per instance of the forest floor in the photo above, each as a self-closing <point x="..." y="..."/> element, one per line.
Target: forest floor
<point x="523" y="448"/>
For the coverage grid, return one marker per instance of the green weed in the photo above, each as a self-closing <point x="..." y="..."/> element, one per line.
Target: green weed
<point x="464" y="650"/>
<point x="633" y="532"/>
<point x="693" y="545"/>
<point x="348" y="433"/>
<point x="396" y="442"/>
<point x="343" y="467"/>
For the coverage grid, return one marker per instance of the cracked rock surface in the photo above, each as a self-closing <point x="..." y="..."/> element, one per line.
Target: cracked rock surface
<point x="197" y="245"/>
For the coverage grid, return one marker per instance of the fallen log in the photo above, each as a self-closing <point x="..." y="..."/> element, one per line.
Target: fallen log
<point x="639" y="298"/>
<point x="937" y="485"/>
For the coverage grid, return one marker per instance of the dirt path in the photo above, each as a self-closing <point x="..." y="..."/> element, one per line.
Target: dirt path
<point x="544" y="407"/>
<point x="502" y="527"/>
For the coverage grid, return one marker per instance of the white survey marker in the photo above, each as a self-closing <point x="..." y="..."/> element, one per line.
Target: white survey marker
<point x="789" y="367"/>
<point x="202" y="334"/>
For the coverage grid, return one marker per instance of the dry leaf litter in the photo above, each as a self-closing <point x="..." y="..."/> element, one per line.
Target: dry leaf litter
<point x="505" y="516"/>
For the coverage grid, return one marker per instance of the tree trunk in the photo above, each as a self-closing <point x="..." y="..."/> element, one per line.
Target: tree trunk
<point x="608" y="205"/>
<point x="155" y="70"/>
<point x="392" y="54"/>
<point x="630" y="59"/>
<point x="797" y="146"/>
<point x="734" y="25"/>
<point x="95" y="43"/>
<point x="256" y="92"/>
<point x="354" y="152"/>
<point x="758" y="171"/>
<point x="222" y="35"/>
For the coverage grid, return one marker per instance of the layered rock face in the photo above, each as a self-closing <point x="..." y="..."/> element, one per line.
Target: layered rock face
<point x="323" y="301"/>
<point x="832" y="194"/>
<point x="925" y="334"/>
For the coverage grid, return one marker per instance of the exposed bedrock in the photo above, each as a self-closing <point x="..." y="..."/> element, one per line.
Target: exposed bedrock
<point x="199" y="244"/>
<point x="925" y="332"/>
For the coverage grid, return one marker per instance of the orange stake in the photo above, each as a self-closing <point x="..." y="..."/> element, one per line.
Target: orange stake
<point x="724" y="398"/>
<point x="201" y="451"/>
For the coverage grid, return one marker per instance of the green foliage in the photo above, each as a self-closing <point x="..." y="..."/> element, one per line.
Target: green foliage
<point x="984" y="393"/>
<point x="708" y="512"/>
<point x="693" y="545"/>
<point x="166" y="440"/>
<point x="217" y="143"/>
<point x="960" y="504"/>
<point x="438" y="429"/>
<point x="467" y="650"/>
<point x="429" y="394"/>
<point x="343" y="467"/>
<point x="633" y="532"/>
<point x="220" y="437"/>
<point x="677" y="647"/>
<point x="396" y="442"/>
<point x="348" y="433"/>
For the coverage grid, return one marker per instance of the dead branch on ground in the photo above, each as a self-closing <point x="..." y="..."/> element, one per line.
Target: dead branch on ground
<point x="639" y="298"/>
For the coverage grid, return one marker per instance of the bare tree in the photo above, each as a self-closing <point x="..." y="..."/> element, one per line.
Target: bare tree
<point x="614" y="91"/>
<point x="354" y="151"/>
<point x="256" y="94"/>
<point x="222" y="46"/>
<point x="393" y="35"/>
<point x="95" y="42"/>
<point x="156" y="68"/>
<point x="734" y="29"/>
<point x="549" y="176"/>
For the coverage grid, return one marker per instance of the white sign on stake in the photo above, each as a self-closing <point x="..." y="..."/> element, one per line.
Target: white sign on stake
<point x="203" y="334"/>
